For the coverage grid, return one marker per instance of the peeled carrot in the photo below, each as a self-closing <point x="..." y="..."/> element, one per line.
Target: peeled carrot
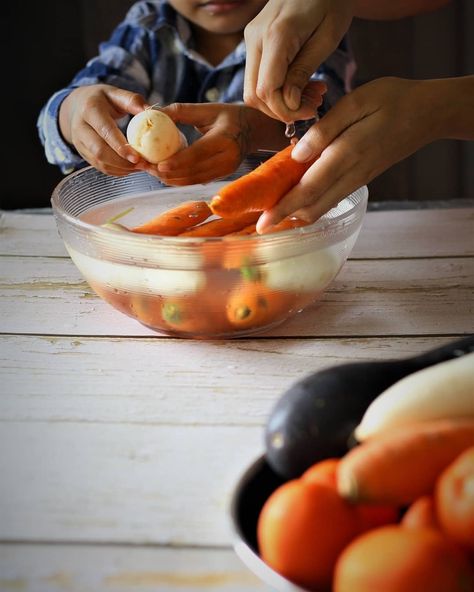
<point x="176" y="220"/>
<point x="246" y="231"/>
<point x="260" y="189"/>
<point x="222" y="226"/>
<point x="402" y="465"/>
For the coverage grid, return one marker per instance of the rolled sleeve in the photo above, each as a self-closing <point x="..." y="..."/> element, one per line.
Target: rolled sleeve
<point x="57" y="150"/>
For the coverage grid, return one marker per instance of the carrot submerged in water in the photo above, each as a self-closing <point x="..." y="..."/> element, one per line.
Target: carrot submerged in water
<point x="222" y="226"/>
<point x="260" y="189"/>
<point x="286" y="224"/>
<point x="176" y="220"/>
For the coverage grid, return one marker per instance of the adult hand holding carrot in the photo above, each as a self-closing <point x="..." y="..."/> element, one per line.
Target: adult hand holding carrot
<point x="88" y="121"/>
<point x="366" y="132"/>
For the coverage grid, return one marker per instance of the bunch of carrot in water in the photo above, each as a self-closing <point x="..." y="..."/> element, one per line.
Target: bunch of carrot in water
<point x="234" y="211"/>
<point x="238" y="204"/>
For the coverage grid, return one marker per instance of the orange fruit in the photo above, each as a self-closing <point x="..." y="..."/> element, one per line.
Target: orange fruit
<point x="396" y="559"/>
<point x="369" y="516"/>
<point x="324" y="471"/>
<point x="421" y="514"/>
<point x="454" y="499"/>
<point x="302" y="528"/>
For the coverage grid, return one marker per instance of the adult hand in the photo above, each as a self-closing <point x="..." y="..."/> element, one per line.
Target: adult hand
<point x="286" y="42"/>
<point x="365" y="133"/>
<point x="88" y="120"/>
<point x="229" y="132"/>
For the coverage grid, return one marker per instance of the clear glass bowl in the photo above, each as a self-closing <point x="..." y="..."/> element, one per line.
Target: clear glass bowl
<point x="197" y="287"/>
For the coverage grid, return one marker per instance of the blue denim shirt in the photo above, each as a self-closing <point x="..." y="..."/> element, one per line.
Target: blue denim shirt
<point x="151" y="52"/>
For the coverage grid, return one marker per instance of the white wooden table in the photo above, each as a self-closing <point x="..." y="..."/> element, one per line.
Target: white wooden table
<point x="119" y="448"/>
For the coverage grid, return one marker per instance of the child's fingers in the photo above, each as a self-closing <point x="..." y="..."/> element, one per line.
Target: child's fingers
<point x="99" y="154"/>
<point x="106" y="128"/>
<point x="191" y="113"/>
<point x="214" y="168"/>
<point x="206" y="153"/>
<point x="125" y="101"/>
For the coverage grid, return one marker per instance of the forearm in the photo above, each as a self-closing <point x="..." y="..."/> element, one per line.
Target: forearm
<point x="453" y="100"/>
<point x="394" y="9"/>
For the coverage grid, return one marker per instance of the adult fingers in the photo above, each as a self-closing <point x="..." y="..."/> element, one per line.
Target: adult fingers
<point x="345" y="113"/>
<point x="253" y="44"/>
<point x="325" y="173"/>
<point x="344" y="186"/>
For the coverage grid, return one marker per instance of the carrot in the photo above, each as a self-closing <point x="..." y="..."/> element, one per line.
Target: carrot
<point x="252" y="304"/>
<point x="176" y="220"/>
<point x="246" y="231"/>
<point x="221" y="226"/>
<point x="260" y="189"/>
<point x="287" y="224"/>
<point x="195" y="315"/>
<point x="402" y="465"/>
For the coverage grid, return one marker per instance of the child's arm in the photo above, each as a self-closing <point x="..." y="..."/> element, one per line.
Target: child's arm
<point x="230" y="132"/>
<point x="123" y="62"/>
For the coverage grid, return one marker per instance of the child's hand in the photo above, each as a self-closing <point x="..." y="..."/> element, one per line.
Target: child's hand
<point x="225" y="141"/>
<point x="88" y="120"/>
<point x="230" y="132"/>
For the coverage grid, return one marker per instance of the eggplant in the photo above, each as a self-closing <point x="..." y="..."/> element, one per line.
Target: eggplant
<point x="316" y="417"/>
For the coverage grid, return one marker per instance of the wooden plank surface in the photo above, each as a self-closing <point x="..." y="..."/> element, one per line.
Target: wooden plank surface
<point x="170" y="382"/>
<point x="95" y="568"/>
<point x="103" y="464"/>
<point x="414" y="233"/>
<point x="121" y="483"/>
<point x="378" y="297"/>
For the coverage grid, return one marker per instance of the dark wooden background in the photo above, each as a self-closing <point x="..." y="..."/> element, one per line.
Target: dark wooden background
<point x="45" y="43"/>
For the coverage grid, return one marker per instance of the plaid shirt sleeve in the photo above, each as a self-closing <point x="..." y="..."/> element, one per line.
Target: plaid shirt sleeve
<point x="123" y="61"/>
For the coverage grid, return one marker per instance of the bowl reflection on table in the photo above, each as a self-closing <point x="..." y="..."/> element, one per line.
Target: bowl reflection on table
<point x="188" y="286"/>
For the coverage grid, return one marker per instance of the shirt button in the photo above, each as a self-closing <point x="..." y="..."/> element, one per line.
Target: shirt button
<point x="212" y="94"/>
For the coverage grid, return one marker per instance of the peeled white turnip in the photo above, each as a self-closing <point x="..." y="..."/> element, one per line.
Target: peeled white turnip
<point x="154" y="135"/>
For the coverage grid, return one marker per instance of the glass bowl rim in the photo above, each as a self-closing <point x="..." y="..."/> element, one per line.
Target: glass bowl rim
<point x="312" y="229"/>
